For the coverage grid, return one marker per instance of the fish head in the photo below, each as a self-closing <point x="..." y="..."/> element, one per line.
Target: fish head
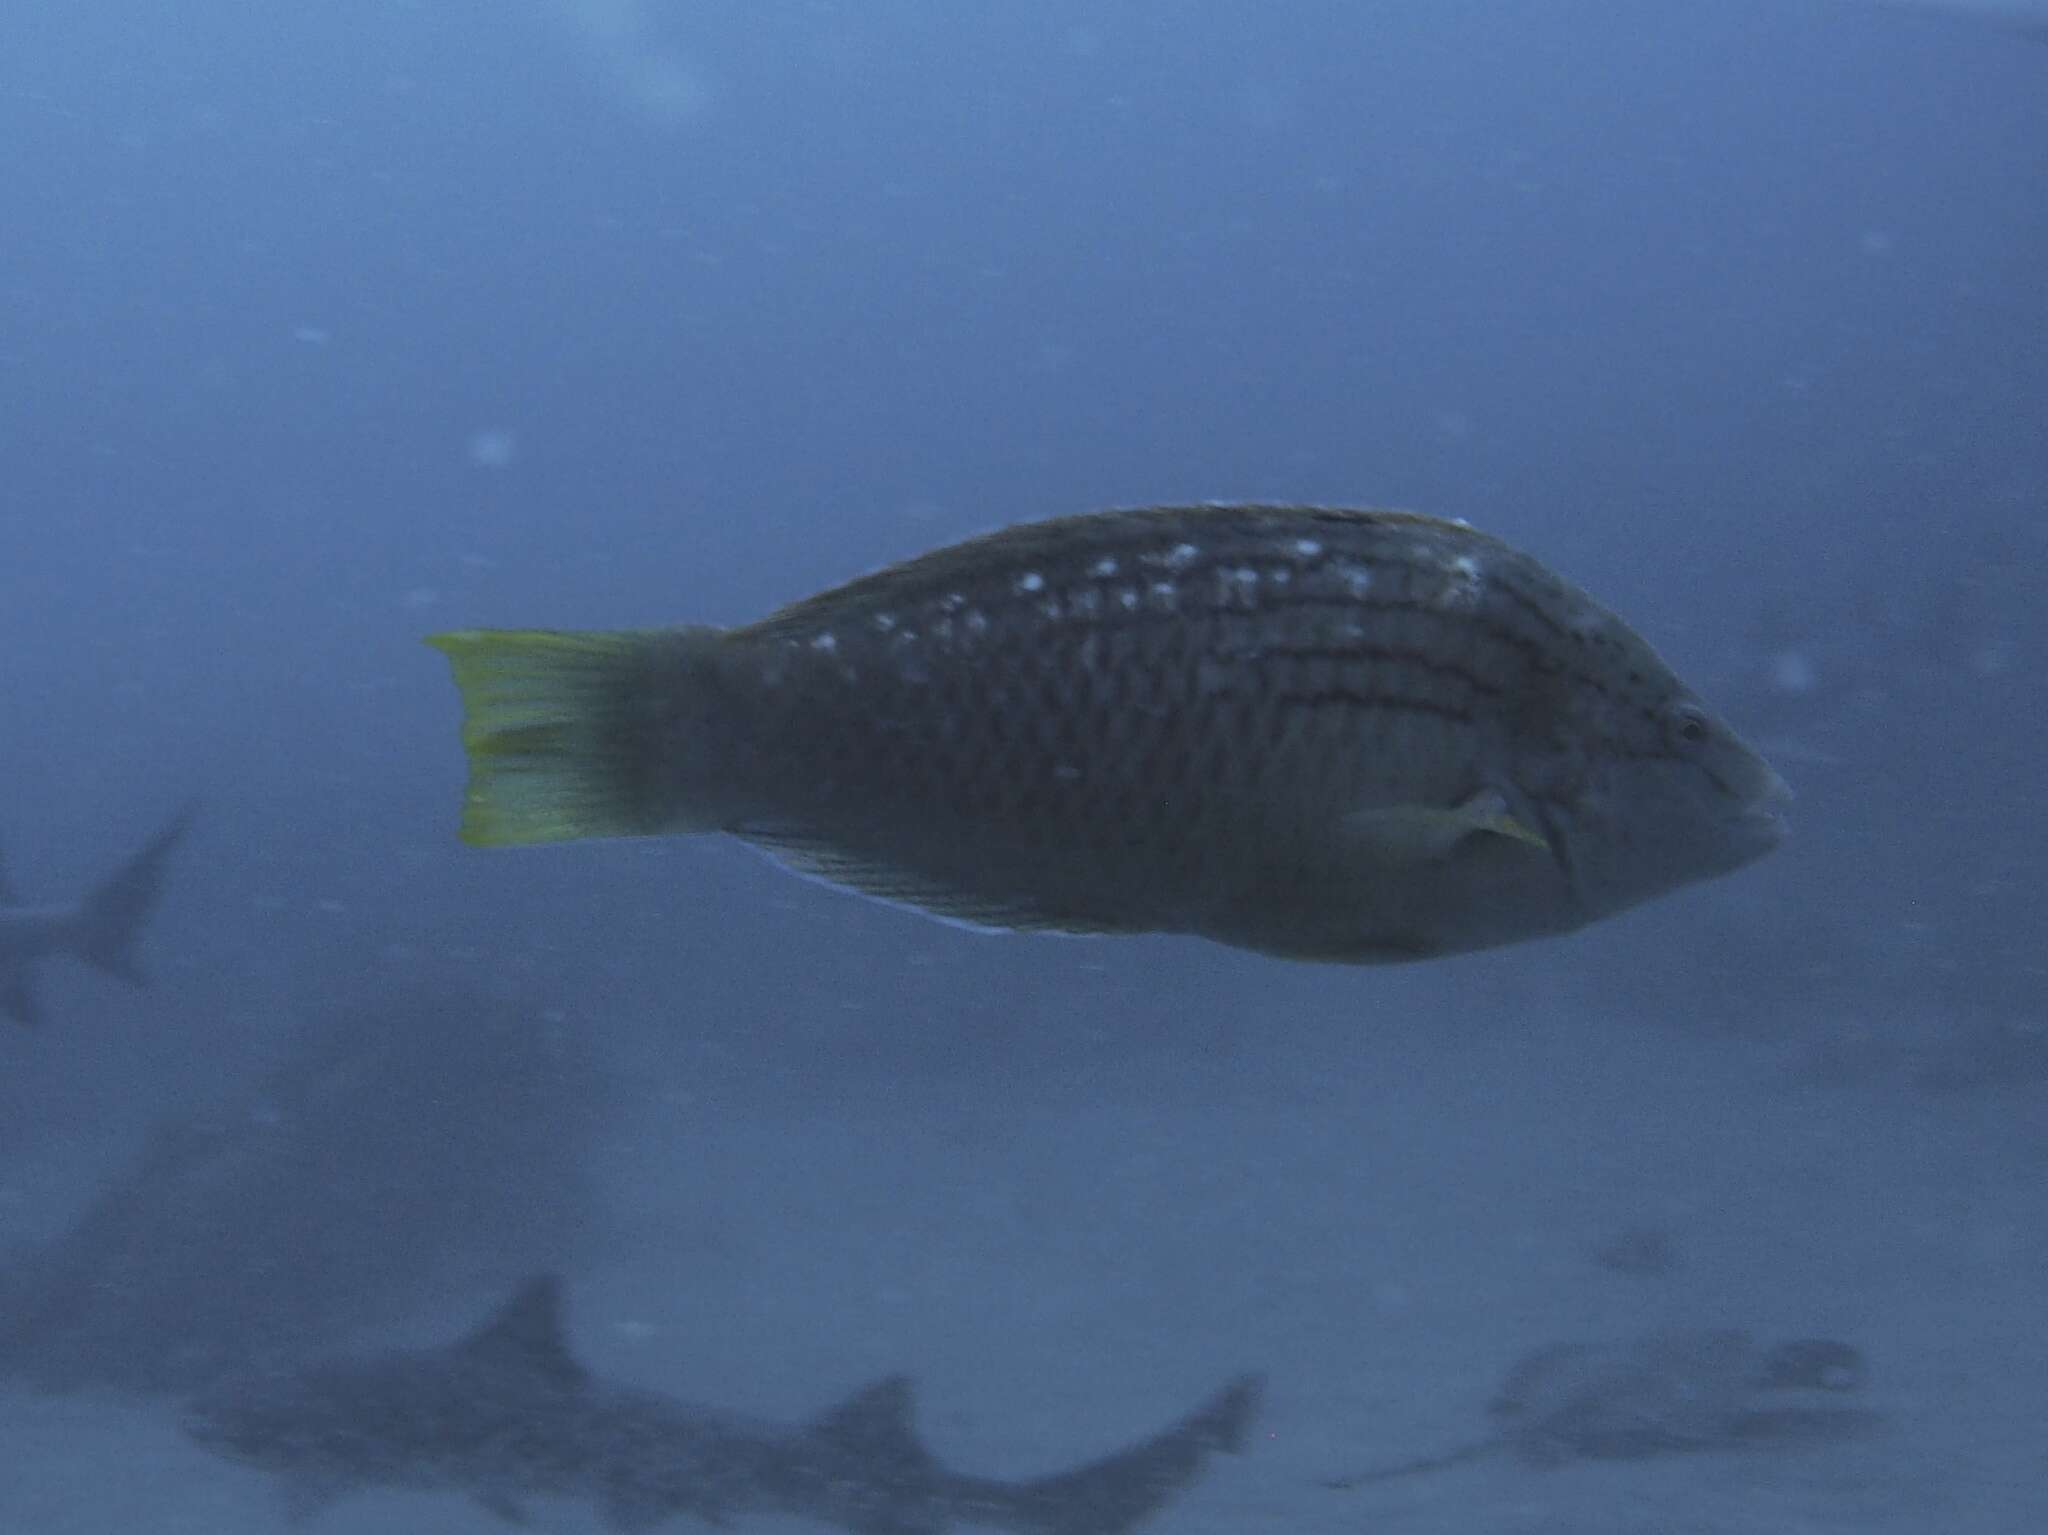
<point x="1666" y="795"/>
<point x="278" y="1425"/>
<point x="324" y="1428"/>
<point x="272" y="1421"/>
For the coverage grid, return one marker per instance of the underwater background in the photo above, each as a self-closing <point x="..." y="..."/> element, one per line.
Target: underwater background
<point x="322" y="328"/>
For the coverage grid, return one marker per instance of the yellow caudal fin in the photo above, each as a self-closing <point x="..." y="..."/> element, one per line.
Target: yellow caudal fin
<point x="569" y="733"/>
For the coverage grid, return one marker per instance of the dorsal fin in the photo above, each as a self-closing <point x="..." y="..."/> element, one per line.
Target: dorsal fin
<point x="526" y="1334"/>
<point x="874" y="1424"/>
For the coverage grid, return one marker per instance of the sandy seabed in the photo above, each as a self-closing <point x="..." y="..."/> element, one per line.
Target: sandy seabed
<point x="1382" y="1229"/>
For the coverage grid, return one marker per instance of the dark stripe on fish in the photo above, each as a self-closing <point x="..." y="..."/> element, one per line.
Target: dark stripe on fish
<point x="1346" y="698"/>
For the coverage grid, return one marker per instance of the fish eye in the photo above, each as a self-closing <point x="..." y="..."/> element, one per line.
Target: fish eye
<point x="1690" y="727"/>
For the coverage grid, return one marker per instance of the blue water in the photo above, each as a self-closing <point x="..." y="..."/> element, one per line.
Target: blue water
<point x="325" y="327"/>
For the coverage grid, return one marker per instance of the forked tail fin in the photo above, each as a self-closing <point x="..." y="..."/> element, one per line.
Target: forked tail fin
<point x="575" y="733"/>
<point x="1121" y="1491"/>
<point x="111" y="919"/>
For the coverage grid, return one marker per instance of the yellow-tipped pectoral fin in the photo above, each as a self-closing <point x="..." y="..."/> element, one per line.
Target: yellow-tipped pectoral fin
<point x="1408" y="834"/>
<point x="554" y="726"/>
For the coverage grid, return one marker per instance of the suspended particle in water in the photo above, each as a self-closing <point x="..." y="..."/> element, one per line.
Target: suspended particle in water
<point x="492" y="448"/>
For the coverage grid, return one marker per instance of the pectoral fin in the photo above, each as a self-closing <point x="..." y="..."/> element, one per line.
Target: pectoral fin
<point x="1403" y="835"/>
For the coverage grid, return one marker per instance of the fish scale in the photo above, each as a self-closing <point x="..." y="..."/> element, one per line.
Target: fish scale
<point x="1324" y="733"/>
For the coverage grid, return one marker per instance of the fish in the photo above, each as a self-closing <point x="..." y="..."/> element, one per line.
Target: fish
<point x="104" y="929"/>
<point x="1680" y="1389"/>
<point x="1317" y="733"/>
<point x="413" y="1132"/>
<point x="507" y="1415"/>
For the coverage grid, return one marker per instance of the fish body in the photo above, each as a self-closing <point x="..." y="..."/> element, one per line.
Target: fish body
<point x="1691" y="1389"/>
<point x="508" y="1414"/>
<point x="103" y="929"/>
<point x="1326" y="734"/>
<point x="412" y="1129"/>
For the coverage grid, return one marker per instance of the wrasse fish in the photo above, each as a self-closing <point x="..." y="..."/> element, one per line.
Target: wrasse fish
<point x="1325" y="734"/>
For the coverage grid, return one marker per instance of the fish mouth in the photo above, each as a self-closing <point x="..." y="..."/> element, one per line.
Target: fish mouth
<point x="1765" y="825"/>
<point x="1764" y="821"/>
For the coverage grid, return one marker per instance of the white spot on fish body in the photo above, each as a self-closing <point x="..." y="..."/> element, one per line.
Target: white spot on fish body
<point x="1279" y="575"/>
<point x="1128" y="598"/>
<point x="977" y="621"/>
<point x="884" y="622"/>
<point x="1357" y="579"/>
<point x="1307" y="548"/>
<point x="1104" y="568"/>
<point x="1237" y="586"/>
<point x="1030" y="581"/>
<point x="1462" y="581"/>
<point x="1163" y="594"/>
<point x="952" y="602"/>
<point x="826" y="642"/>
<point x="1179" y="557"/>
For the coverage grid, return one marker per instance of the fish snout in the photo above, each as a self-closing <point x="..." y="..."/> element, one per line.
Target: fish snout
<point x="1765" y="817"/>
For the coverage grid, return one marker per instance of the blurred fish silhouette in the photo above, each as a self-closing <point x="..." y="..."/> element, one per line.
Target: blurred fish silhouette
<point x="507" y="1414"/>
<point x="104" y="929"/>
<point x="1705" y="1389"/>
<point x="420" y="1135"/>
